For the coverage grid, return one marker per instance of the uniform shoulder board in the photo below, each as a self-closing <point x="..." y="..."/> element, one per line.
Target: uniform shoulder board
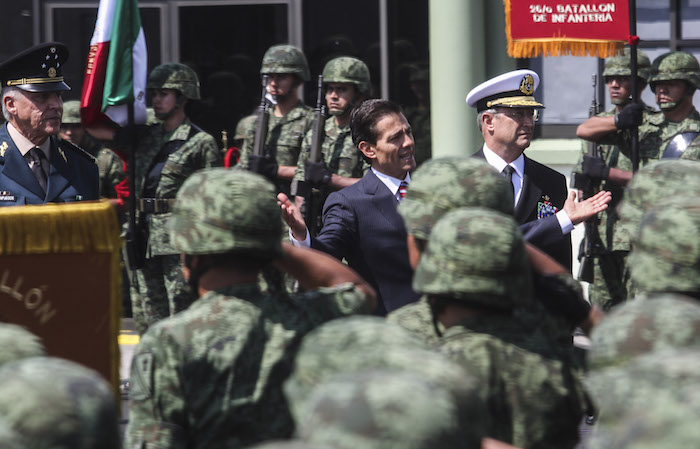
<point x="64" y="144"/>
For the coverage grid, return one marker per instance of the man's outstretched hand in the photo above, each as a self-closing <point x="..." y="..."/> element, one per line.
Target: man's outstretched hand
<point x="292" y="216"/>
<point x="583" y="210"/>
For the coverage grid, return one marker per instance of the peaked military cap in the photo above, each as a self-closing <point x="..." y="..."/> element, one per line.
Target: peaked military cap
<point x="37" y="69"/>
<point x="509" y="90"/>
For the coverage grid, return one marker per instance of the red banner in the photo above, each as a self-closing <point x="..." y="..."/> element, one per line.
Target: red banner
<point x="558" y="27"/>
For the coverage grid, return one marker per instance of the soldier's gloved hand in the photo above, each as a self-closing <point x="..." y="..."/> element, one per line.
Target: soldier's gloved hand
<point x="594" y="167"/>
<point x="629" y="117"/>
<point x="263" y="166"/>
<point x="317" y="173"/>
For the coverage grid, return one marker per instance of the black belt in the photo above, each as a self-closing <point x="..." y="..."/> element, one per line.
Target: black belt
<point x="155" y="205"/>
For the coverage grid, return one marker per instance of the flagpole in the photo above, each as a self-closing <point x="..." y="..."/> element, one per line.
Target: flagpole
<point x="634" y="42"/>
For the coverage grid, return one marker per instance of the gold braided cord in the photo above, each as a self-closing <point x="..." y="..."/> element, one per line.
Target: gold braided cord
<point x="22" y="81"/>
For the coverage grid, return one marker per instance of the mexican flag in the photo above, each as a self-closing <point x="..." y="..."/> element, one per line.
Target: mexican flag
<point x="115" y="75"/>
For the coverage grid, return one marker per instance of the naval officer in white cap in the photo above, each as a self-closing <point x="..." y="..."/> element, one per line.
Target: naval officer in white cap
<point x="507" y="112"/>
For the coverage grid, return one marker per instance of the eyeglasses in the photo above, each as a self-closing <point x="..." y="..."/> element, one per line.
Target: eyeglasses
<point x="520" y="114"/>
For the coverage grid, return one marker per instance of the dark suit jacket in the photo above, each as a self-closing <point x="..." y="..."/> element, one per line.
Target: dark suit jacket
<point x="542" y="184"/>
<point x="361" y="223"/>
<point x="73" y="175"/>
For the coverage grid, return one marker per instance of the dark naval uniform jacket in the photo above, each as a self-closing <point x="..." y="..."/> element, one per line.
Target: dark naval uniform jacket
<point x="73" y="174"/>
<point x="543" y="195"/>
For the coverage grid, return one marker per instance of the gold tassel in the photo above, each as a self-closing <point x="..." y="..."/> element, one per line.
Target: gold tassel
<point x="81" y="227"/>
<point x="558" y="45"/>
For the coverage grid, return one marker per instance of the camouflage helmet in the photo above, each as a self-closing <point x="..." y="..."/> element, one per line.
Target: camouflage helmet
<point x="477" y="256"/>
<point x="365" y="410"/>
<point x="285" y="59"/>
<point x="620" y="65"/>
<point x="443" y="184"/>
<point x="643" y="326"/>
<point x="175" y="76"/>
<point x="666" y="254"/>
<point x="667" y="419"/>
<point x="675" y="65"/>
<point x="9" y="439"/>
<point x="359" y="343"/>
<point x="347" y="70"/>
<point x="655" y="182"/>
<point x="58" y="404"/>
<point x="18" y="343"/>
<point x="219" y="210"/>
<point x="71" y="113"/>
<point x="290" y="444"/>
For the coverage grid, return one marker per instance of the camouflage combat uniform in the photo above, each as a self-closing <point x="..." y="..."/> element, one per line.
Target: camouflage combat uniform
<point x="659" y="182"/>
<point x="54" y="403"/>
<point x="476" y="257"/>
<point x="211" y="376"/>
<point x="283" y="141"/>
<point x="18" y="343"/>
<point x="158" y="289"/>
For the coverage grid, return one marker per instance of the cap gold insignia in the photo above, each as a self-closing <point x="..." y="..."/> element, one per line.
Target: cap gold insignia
<point x="52" y="72"/>
<point x="63" y="155"/>
<point x="527" y="85"/>
<point x="53" y="50"/>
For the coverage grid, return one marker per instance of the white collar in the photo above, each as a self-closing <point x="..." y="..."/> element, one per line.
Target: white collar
<point x="499" y="164"/>
<point x="23" y="144"/>
<point x="392" y="183"/>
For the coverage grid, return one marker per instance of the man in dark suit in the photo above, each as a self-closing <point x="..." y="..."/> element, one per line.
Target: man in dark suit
<point x="35" y="166"/>
<point x="507" y="114"/>
<point x="361" y="222"/>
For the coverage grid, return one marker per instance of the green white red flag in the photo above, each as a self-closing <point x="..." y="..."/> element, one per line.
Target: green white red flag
<point x="116" y="71"/>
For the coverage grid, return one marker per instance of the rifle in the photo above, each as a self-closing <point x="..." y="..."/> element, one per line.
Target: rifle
<point x="589" y="187"/>
<point x="313" y="196"/>
<point x="262" y="121"/>
<point x="136" y="237"/>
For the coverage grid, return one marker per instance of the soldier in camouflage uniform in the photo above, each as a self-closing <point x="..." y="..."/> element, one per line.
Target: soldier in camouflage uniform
<point x="666" y="253"/>
<point x="363" y="410"/>
<point x="112" y="174"/>
<point x="419" y="115"/>
<point x="18" y="343"/>
<point x="289" y="120"/>
<point x="211" y="376"/>
<point x="346" y="82"/>
<point x="166" y="154"/>
<point x="657" y="183"/>
<point x="439" y="186"/>
<point x="476" y="272"/>
<point x="58" y="404"/>
<point x="608" y="131"/>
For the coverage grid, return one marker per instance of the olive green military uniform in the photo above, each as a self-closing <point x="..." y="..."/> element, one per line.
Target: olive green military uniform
<point x="158" y="288"/>
<point x="283" y="143"/>
<point x="211" y="376"/>
<point x="339" y="153"/>
<point x="476" y="257"/>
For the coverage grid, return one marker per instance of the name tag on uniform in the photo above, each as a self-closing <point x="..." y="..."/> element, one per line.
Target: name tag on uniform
<point x="7" y="196"/>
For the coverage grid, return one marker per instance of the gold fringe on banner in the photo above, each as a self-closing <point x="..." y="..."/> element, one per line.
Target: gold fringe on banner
<point x="80" y="227"/>
<point x="558" y="45"/>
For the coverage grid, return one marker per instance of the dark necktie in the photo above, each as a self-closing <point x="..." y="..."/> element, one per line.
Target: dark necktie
<point x="508" y="173"/>
<point x="39" y="166"/>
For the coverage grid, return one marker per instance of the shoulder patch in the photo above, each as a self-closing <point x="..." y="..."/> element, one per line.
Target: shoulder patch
<point x="75" y="149"/>
<point x="142" y="376"/>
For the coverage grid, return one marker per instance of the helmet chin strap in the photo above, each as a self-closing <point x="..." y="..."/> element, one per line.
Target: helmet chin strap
<point x="689" y="92"/>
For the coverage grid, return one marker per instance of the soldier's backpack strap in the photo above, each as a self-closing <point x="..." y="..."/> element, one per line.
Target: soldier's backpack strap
<point x="156" y="168"/>
<point x="678" y="145"/>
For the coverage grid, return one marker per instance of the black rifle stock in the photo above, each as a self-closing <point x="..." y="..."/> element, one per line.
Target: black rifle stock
<point x="262" y="120"/>
<point x="135" y="238"/>
<point x="313" y="196"/>
<point x="589" y="187"/>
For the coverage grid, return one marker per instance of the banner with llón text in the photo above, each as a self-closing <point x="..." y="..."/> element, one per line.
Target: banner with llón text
<point x="559" y="27"/>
